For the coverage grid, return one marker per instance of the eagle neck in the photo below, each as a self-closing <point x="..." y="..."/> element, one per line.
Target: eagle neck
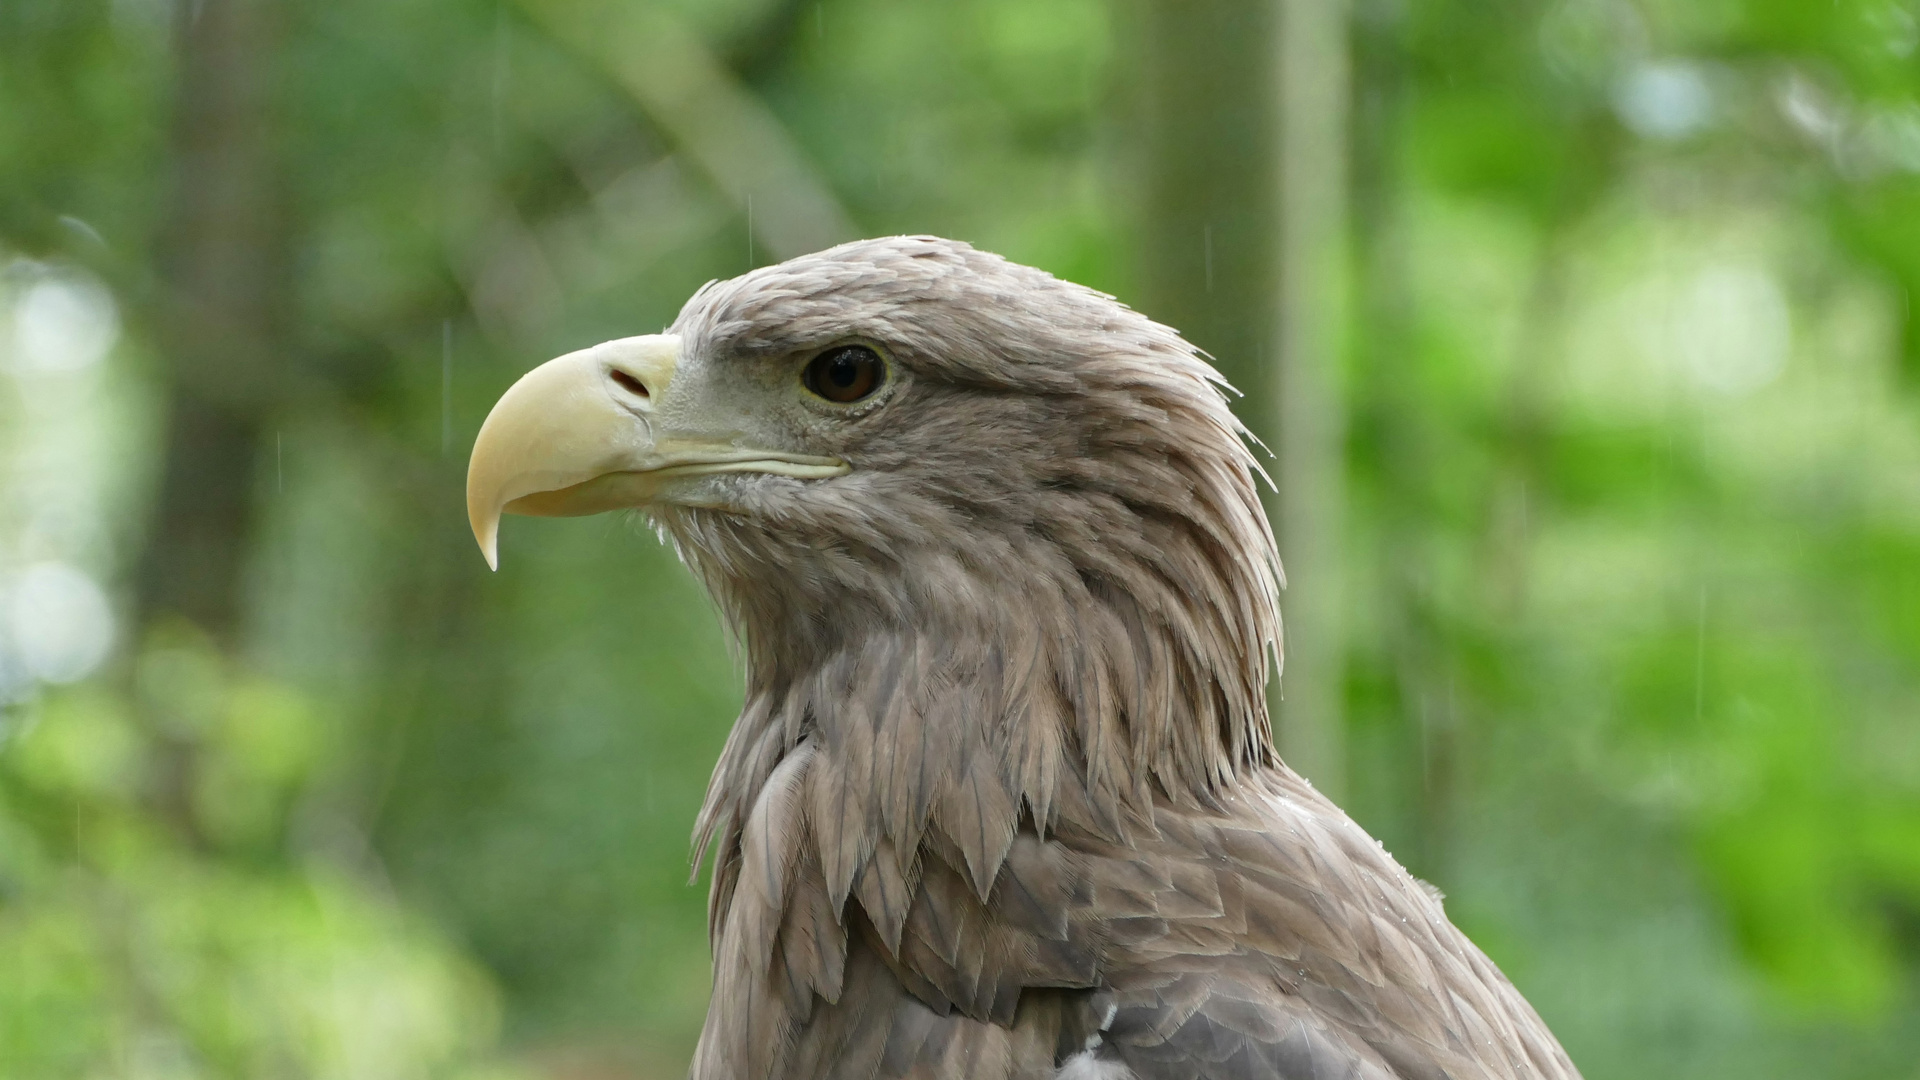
<point x="1024" y="688"/>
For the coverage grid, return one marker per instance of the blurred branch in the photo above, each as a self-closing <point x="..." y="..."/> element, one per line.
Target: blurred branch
<point x="706" y="111"/>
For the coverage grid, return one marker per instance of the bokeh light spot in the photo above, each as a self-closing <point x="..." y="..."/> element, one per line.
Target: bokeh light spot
<point x="1733" y="329"/>
<point x="60" y="622"/>
<point x="1664" y="99"/>
<point x="66" y="321"/>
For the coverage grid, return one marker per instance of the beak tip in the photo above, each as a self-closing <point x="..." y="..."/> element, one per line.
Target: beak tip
<point x="487" y="533"/>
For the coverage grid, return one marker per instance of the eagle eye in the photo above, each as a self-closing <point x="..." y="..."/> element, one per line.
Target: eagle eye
<point x="845" y="374"/>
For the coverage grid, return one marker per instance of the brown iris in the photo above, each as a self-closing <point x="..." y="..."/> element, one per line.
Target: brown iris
<point x="845" y="374"/>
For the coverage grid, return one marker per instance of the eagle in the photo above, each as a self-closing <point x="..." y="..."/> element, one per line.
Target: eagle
<point x="1002" y="800"/>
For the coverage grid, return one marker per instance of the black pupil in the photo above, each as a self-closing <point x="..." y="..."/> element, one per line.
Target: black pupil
<point x="846" y="374"/>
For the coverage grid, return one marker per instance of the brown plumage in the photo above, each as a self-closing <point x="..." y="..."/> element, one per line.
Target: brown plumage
<point x="1002" y="801"/>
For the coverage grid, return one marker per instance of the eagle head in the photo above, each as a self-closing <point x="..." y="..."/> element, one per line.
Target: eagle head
<point x="905" y="462"/>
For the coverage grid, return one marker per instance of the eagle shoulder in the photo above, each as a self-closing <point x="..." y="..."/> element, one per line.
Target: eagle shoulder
<point x="1267" y="937"/>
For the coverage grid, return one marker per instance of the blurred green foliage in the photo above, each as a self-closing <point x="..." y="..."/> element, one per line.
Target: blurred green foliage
<point x="154" y="924"/>
<point x="1632" y="654"/>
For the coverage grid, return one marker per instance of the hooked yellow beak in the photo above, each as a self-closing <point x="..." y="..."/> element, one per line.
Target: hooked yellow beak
<point x="582" y="435"/>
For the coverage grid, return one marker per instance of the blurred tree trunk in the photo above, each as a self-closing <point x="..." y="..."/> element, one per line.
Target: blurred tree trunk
<point x="1242" y="120"/>
<point x="1309" y="401"/>
<point x="224" y="276"/>
<point x="1206" y="118"/>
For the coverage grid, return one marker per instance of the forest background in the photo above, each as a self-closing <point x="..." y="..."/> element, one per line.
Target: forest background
<point x="1581" y="331"/>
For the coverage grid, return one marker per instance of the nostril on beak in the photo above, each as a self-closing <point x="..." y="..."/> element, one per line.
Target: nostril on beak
<point x="630" y="384"/>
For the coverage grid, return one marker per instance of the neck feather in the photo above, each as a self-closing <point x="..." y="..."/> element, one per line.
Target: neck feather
<point x="1064" y="676"/>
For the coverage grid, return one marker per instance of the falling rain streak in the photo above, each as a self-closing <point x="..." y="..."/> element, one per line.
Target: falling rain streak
<point x="1206" y="239"/>
<point x="446" y="386"/>
<point x="1700" y="660"/>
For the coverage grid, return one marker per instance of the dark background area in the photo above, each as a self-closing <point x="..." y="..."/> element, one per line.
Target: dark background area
<point x="1581" y="332"/>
